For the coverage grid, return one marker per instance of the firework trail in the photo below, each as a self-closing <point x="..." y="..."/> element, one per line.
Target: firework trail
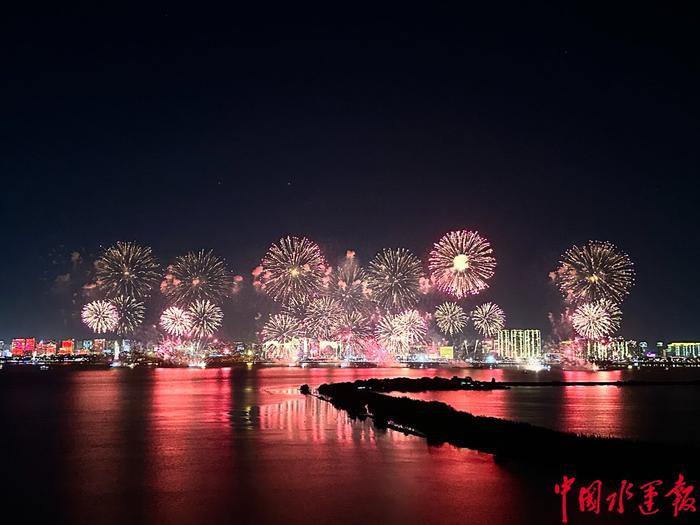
<point x="595" y="272"/>
<point x="200" y="276"/>
<point x="293" y="270"/>
<point x="461" y="263"/>
<point x="488" y="319"/>
<point x="127" y="269"/>
<point x="394" y="279"/>
<point x="100" y="316"/>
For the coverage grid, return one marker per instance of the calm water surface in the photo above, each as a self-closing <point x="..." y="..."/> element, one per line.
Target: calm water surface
<point x="212" y="446"/>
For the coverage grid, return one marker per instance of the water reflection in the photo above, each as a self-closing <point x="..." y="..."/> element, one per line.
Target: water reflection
<point x="243" y="446"/>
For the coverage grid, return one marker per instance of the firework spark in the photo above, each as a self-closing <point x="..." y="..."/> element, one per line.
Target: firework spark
<point x="450" y="318"/>
<point x="130" y="312"/>
<point x="594" y="272"/>
<point x="353" y="327"/>
<point x="350" y="283"/>
<point x="394" y="279"/>
<point x="400" y="332"/>
<point x="461" y="263"/>
<point x="488" y="319"/>
<point x="100" y="316"/>
<point x="323" y="317"/>
<point x="197" y="277"/>
<point x="293" y="270"/>
<point x="176" y="321"/>
<point x="596" y="319"/>
<point x="281" y="329"/>
<point x="206" y="318"/>
<point x="127" y="269"/>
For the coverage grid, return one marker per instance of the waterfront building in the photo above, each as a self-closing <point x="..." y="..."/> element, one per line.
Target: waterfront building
<point x="644" y="349"/>
<point x="46" y="348"/>
<point x="67" y="347"/>
<point x="660" y="349"/>
<point x="610" y="349"/>
<point x="22" y="347"/>
<point x="84" y="346"/>
<point x="519" y="344"/>
<point x="683" y="350"/>
<point x="99" y="346"/>
<point x="447" y="352"/>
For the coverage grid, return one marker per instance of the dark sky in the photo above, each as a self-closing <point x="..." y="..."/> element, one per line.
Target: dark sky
<point x="188" y="129"/>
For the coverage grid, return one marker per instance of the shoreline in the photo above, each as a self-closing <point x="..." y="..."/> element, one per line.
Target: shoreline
<point x="506" y="440"/>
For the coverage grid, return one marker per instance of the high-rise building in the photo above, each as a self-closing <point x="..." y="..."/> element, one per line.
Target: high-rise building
<point x="683" y="350"/>
<point x="519" y="343"/>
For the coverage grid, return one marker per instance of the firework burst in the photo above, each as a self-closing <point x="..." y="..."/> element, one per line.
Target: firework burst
<point x="127" y="269"/>
<point x="461" y="263"/>
<point x="130" y="312"/>
<point x="398" y="333"/>
<point x="353" y="327"/>
<point x="100" y="316"/>
<point x="323" y="317"/>
<point x="206" y="318"/>
<point x="450" y="318"/>
<point x="293" y="270"/>
<point x="197" y="277"/>
<point x="595" y="272"/>
<point x="281" y="329"/>
<point x="596" y="319"/>
<point x="394" y="279"/>
<point x="176" y="321"/>
<point x="488" y="319"/>
<point x="350" y="284"/>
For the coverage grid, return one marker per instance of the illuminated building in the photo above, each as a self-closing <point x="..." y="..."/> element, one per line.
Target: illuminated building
<point x="683" y="350"/>
<point x="84" y="346"/>
<point x="660" y="350"/>
<point x="612" y="349"/>
<point x="22" y="347"/>
<point x="519" y="344"/>
<point x="99" y="346"/>
<point x="644" y="348"/>
<point x="126" y="346"/>
<point x="67" y="347"/>
<point x="447" y="352"/>
<point x="46" y="348"/>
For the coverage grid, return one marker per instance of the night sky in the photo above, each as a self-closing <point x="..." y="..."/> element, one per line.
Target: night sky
<point x="361" y="129"/>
